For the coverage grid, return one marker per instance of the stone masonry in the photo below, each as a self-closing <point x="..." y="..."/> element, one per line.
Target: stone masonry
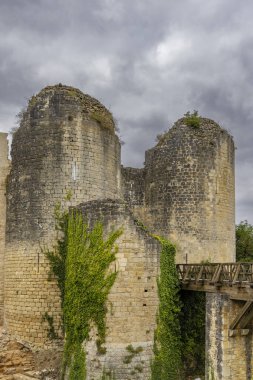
<point x="4" y="169"/>
<point x="66" y="151"/>
<point x="186" y="191"/>
<point x="228" y="357"/>
<point x="133" y="300"/>
<point x="58" y="153"/>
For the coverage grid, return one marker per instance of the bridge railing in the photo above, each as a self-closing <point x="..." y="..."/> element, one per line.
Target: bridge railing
<point x="232" y="279"/>
<point x="216" y="273"/>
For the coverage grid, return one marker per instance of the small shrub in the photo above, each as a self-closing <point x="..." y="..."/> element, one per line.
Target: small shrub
<point x="132" y="353"/>
<point x="128" y="359"/>
<point x="108" y="375"/>
<point x="133" y="350"/>
<point x="138" y="368"/>
<point x="162" y="137"/>
<point x="192" y="119"/>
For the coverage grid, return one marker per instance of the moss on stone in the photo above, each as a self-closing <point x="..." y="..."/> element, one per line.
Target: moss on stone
<point x="200" y="127"/>
<point x="89" y="106"/>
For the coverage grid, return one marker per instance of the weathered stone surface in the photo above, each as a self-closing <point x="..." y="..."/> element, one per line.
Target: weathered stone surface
<point x="18" y="361"/>
<point x="133" y="181"/>
<point x="59" y="151"/>
<point x="66" y="151"/>
<point x="133" y="300"/>
<point x="4" y="170"/>
<point x="228" y="356"/>
<point x="188" y="187"/>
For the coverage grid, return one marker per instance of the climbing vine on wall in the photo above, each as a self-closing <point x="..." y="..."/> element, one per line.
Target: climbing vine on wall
<point x="57" y="257"/>
<point x="81" y="264"/>
<point x="167" y="364"/>
<point x="192" y="319"/>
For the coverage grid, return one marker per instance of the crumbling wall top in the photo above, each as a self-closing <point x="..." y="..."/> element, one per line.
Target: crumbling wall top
<point x="207" y="130"/>
<point x="70" y="98"/>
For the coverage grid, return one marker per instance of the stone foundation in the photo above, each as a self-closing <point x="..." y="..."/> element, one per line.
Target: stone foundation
<point x="228" y="357"/>
<point x="18" y="361"/>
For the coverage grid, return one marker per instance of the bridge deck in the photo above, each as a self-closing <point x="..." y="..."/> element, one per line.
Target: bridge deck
<point x="233" y="279"/>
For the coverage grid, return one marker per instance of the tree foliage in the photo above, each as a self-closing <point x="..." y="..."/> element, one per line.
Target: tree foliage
<point x="244" y="241"/>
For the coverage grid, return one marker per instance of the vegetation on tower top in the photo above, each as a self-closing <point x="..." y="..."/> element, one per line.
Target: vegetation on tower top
<point x="90" y="107"/>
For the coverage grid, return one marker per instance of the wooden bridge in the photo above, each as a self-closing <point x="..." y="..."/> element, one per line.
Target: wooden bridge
<point x="232" y="279"/>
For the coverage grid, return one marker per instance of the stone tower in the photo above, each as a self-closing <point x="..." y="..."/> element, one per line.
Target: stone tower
<point x="4" y="169"/>
<point x="65" y="147"/>
<point x="186" y="191"/>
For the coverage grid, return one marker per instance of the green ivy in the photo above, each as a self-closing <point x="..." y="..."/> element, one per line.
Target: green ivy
<point x="57" y="257"/>
<point x="77" y="366"/>
<point x="192" y="321"/>
<point x="51" y="333"/>
<point x="80" y="264"/>
<point x="167" y="363"/>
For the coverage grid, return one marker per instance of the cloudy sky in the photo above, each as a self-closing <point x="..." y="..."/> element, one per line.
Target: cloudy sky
<point x="148" y="61"/>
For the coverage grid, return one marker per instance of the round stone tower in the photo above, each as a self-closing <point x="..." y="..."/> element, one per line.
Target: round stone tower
<point x="65" y="150"/>
<point x="189" y="190"/>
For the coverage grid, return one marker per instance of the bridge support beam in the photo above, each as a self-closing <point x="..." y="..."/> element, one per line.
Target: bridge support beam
<point x="229" y="352"/>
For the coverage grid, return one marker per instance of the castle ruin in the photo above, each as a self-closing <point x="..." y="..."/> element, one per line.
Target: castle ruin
<point x="67" y="143"/>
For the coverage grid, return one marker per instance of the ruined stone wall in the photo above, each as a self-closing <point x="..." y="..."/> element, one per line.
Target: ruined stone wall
<point x="19" y="362"/>
<point x="59" y="151"/>
<point x="227" y="357"/>
<point x="4" y="169"/>
<point x="66" y="151"/>
<point x="133" y="300"/>
<point x="189" y="191"/>
<point x="133" y="186"/>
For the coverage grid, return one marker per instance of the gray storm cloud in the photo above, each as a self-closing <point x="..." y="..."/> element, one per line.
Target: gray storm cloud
<point x="149" y="61"/>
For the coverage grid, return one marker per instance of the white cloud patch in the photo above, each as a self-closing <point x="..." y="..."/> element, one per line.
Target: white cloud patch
<point x="171" y="50"/>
